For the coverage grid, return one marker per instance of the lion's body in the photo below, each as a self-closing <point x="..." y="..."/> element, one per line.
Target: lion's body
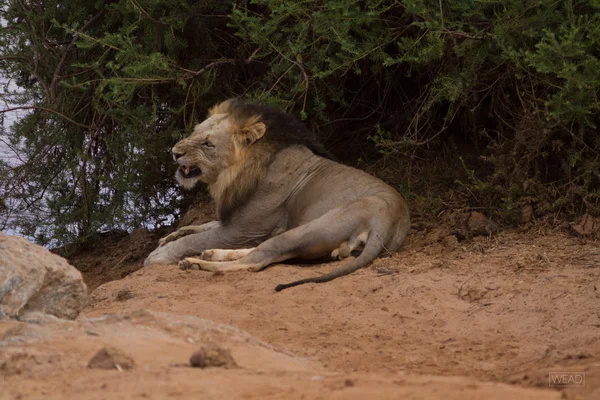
<point x="287" y="202"/>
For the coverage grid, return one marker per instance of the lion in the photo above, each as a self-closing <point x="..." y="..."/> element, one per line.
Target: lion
<point x="279" y="196"/>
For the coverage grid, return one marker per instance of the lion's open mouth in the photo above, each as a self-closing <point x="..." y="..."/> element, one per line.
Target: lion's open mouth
<point x="188" y="171"/>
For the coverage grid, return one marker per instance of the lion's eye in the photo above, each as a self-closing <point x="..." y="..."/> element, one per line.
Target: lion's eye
<point x="208" y="145"/>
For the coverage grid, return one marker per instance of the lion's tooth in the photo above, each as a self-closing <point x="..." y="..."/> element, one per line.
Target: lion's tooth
<point x="187" y="170"/>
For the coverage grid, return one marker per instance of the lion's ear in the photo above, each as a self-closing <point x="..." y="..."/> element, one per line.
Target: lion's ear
<point x="250" y="133"/>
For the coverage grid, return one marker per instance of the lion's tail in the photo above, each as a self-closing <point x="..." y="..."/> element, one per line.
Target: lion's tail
<point x="373" y="247"/>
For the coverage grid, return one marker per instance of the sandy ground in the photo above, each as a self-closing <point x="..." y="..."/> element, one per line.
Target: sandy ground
<point x="487" y="318"/>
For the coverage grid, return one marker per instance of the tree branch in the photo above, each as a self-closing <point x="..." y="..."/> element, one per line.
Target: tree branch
<point x="63" y="116"/>
<point x="61" y="63"/>
<point x="207" y="66"/>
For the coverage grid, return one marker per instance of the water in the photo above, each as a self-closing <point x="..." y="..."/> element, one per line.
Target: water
<point x="8" y="118"/>
<point x="8" y="155"/>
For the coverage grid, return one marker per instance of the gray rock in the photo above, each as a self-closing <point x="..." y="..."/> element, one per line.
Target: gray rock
<point x="32" y="279"/>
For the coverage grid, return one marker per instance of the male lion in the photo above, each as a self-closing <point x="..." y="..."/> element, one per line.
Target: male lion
<point x="278" y="197"/>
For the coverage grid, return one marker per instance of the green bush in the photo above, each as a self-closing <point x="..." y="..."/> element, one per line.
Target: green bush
<point x="513" y="85"/>
<point x="506" y="92"/>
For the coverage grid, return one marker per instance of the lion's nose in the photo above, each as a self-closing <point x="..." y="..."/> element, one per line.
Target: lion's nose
<point x="176" y="156"/>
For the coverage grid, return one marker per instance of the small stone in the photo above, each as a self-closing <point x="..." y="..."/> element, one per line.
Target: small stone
<point x="587" y="225"/>
<point x="36" y="317"/>
<point x="111" y="358"/>
<point x="526" y="214"/>
<point x="124" y="294"/>
<point x="212" y="355"/>
<point x="450" y="243"/>
<point x="479" y="224"/>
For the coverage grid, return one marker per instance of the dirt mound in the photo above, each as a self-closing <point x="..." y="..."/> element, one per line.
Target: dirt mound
<point x="508" y="308"/>
<point x="466" y="315"/>
<point x="112" y="256"/>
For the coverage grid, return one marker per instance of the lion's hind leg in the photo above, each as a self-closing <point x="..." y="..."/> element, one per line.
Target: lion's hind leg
<point x="317" y="238"/>
<point x="223" y="266"/>
<point x="224" y="254"/>
<point x="211" y="266"/>
<point x="346" y="248"/>
<point x="216" y="260"/>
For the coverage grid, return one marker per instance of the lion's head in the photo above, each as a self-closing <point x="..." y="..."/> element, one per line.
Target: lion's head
<point x="215" y="145"/>
<point x="232" y="148"/>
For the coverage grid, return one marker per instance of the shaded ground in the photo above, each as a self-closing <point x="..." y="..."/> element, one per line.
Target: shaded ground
<point x="435" y="320"/>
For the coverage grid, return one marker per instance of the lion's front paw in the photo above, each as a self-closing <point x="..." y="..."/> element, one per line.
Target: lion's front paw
<point x="178" y="234"/>
<point x="189" y="264"/>
<point x="171" y="237"/>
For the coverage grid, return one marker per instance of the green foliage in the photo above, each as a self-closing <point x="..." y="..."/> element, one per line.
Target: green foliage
<point x="519" y="79"/>
<point x="508" y="87"/>
<point x="112" y="87"/>
<point x="310" y="46"/>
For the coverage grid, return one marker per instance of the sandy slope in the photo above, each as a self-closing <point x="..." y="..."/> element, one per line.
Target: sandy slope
<point x="487" y="320"/>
